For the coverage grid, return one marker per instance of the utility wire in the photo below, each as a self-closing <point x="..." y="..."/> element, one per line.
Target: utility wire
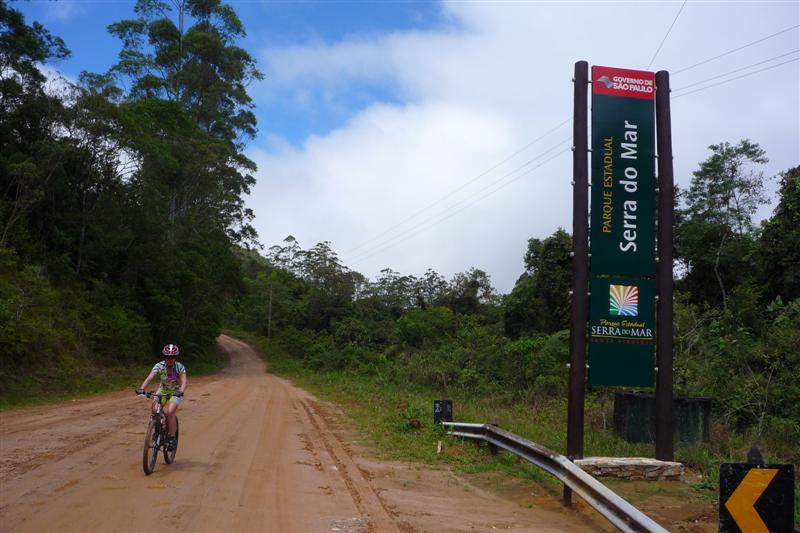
<point x="391" y="245"/>
<point x="737" y="70"/>
<point x="737" y="78"/>
<point x="362" y="255"/>
<point x="420" y="228"/>
<point x="460" y="188"/>
<point x="723" y="54"/>
<point x="666" y="35"/>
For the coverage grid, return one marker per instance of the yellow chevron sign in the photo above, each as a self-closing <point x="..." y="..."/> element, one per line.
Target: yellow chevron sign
<point x="756" y="498"/>
<point x="742" y="501"/>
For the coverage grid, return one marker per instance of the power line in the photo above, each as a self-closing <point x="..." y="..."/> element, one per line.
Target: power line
<point x="737" y="78"/>
<point x="666" y="35"/>
<point x="369" y="251"/>
<point x="438" y="218"/>
<point x="735" y="50"/>
<point x="376" y="251"/>
<point x="462" y="201"/>
<point x="461" y="187"/>
<point x="737" y="70"/>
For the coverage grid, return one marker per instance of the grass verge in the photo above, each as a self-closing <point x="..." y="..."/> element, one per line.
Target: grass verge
<point x="383" y="412"/>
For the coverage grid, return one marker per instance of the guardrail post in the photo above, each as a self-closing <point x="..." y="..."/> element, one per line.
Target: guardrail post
<point x="493" y="449"/>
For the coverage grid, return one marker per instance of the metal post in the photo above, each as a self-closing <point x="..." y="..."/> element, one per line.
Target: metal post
<point x="664" y="420"/>
<point x="580" y="268"/>
<point x="269" y="314"/>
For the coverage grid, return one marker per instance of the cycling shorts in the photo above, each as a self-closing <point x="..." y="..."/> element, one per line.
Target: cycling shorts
<point x="176" y="400"/>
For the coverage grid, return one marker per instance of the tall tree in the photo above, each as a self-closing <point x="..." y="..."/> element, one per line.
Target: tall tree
<point x="29" y="118"/>
<point x="201" y="69"/>
<point x="779" y="246"/>
<point x="184" y="121"/>
<point x="715" y="237"/>
<point x="471" y="292"/>
<point x="539" y="301"/>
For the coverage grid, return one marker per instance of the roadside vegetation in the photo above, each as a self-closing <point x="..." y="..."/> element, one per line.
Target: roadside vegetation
<point x="385" y="349"/>
<point x="123" y="227"/>
<point x="120" y="199"/>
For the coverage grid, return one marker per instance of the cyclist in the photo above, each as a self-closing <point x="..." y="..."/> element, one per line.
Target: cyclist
<point x="173" y="381"/>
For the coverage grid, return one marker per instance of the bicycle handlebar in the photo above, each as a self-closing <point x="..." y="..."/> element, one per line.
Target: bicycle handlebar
<point x="151" y="394"/>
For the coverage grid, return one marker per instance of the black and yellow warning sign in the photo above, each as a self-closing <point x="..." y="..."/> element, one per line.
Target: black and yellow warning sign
<point x="756" y="498"/>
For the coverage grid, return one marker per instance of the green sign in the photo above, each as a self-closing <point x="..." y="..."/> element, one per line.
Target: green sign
<point x="623" y="263"/>
<point x="622" y="332"/>
<point x="623" y="174"/>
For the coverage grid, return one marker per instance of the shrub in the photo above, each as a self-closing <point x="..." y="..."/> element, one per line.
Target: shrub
<point x="426" y="327"/>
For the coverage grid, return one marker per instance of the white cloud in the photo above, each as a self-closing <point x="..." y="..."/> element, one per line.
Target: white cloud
<point x="475" y="93"/>
<point x="63" y="10"/>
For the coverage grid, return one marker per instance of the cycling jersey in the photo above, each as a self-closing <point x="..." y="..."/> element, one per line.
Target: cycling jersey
<point x="170" y="377"/>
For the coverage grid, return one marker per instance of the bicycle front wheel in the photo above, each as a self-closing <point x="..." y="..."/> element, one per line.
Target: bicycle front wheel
<point x="169" y="456"/>
<point x="151" y="445"/>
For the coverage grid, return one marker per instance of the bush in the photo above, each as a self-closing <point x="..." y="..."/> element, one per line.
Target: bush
<point x="426" y="327"/>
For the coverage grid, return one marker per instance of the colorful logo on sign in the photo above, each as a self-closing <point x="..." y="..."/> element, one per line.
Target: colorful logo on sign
<point x="624" y="300"/>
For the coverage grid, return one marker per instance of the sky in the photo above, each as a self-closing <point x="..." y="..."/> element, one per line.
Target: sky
<point x="416" y="135"/>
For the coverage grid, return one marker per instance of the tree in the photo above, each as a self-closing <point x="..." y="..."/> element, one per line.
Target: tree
<point x="430" y="289"/>
<point x="183" y="122"/>
<point x="779" y="246"/>
<point x="715" y="236"/>
<point x="29" y="118"/>
<point x="539" y="301"/>
<point x="471" y="292"/>
<point x="202" y="70"/>
<point x="395" y="291"/>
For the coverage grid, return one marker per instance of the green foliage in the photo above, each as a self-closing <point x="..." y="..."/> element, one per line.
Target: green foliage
<point x="714" y="240"/>
<point x="120" y="209"/>
<point x="779" y="246"/>
<point x="539" y="302"/>
<point x="59" y="340"/>
<point x="122" y="226"/>
<point x="431" y="327"/>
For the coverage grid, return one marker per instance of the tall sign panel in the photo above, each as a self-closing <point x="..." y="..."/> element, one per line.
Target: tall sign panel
<point x="623" y="214"/>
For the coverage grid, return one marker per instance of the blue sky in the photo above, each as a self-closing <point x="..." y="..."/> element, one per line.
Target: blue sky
<point x="82" y="24"/>
<point x="417" y="135"/>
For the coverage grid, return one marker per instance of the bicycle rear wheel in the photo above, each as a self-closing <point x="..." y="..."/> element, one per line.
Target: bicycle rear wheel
<point x="170" y="456"/>
<point x="151" y="445"/>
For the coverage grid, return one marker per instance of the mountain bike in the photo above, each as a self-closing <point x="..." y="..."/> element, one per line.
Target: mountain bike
<point x="156" y="437"/>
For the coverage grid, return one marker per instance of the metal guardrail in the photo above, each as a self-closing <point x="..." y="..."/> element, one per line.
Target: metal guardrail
<point x="619" y="512"/>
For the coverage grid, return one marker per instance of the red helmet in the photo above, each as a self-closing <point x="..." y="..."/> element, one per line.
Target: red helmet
<point x="170" y="350"/>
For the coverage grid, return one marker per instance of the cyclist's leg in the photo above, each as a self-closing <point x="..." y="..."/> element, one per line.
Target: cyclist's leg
<point x="169" y="409"/>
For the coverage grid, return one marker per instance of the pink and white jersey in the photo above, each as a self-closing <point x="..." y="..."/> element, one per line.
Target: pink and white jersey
<point x="169" y="376"/>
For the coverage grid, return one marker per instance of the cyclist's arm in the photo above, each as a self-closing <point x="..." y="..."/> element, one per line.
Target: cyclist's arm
<point x="183" y="383"/>
<point x="149" y="378"/>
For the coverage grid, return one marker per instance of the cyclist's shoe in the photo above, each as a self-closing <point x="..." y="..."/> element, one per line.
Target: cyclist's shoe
<point x="172" y="443"/>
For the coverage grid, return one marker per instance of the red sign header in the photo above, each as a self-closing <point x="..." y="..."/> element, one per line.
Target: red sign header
<point x="623" y="82"/>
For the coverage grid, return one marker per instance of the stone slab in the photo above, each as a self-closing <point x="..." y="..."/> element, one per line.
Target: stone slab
<point x="633" y="468"/>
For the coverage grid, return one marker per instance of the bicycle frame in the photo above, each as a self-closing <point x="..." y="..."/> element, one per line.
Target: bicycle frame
<point x="156" y="436"/>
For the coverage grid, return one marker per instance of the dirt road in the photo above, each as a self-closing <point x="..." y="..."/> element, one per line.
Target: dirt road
<point x="256" y="454"/>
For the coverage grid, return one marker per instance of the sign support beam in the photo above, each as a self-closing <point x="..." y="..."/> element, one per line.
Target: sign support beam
<point x="664" y="310"/>
<point x="580" y="268"/>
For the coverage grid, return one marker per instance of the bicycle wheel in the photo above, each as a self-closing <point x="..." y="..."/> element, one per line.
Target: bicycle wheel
<point x="151" y="445"/>
<point x="170" y="456"/>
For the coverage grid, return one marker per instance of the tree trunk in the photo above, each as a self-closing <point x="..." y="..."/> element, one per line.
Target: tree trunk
<point x="83" y="235"/>
<point x="716" y="270"/>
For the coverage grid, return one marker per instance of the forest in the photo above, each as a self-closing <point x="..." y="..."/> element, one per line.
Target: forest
<point x="123" y="226"/>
